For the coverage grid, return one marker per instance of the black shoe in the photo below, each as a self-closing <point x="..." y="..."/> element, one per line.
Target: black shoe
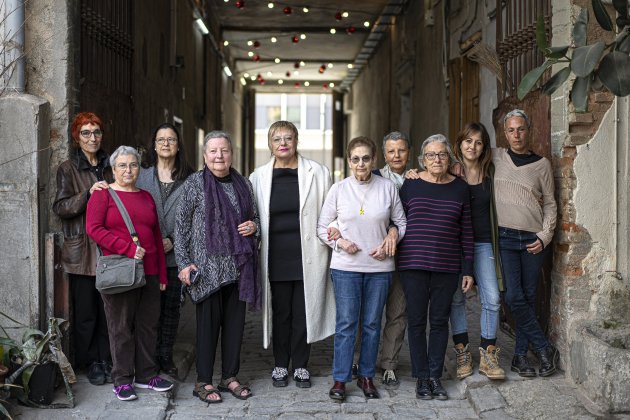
<point x="95" y="375"/>
<point x="280" y="377"/>
<point x="302" y="378"/>
<point x="520" y="365"/>
<point x="167" y="366"/>
<point x="338" y="391"/>
<point x="423" y="390"/>
<point x="437" y="390"/>
<point x="548" y="360"/>
<point x="107" y="370"/>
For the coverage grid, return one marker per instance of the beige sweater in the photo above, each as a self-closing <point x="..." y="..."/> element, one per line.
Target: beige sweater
<point x="524" y="195"/>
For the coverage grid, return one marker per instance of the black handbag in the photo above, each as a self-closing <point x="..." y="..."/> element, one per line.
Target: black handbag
<point x="119" y="273"/>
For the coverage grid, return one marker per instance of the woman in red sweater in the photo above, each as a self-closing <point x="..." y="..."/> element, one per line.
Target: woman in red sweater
<point x="132" y="316"/>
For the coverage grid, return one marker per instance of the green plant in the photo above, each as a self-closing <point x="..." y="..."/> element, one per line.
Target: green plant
<point x="596" y="66"/>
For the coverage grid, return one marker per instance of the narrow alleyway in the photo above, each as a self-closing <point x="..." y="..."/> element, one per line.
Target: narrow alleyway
<point x="474" y="397"/>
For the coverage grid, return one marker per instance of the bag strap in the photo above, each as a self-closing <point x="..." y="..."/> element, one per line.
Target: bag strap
<point x="125" y="216"/>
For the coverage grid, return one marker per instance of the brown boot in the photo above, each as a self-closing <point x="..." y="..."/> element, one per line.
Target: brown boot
<point x="489" y="363"/>
<point x="464" y="361"/>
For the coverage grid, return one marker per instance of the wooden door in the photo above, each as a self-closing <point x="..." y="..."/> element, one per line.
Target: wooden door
<point x="463" y="94"/>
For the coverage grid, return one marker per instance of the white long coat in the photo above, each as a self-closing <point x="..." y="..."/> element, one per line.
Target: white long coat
<point x="313" y="182"/>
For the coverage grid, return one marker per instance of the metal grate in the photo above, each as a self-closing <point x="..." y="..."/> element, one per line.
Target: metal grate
<point x="516" y="39"/>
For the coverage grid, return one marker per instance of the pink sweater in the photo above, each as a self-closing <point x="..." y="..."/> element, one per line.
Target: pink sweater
<point x="105" y="225"/>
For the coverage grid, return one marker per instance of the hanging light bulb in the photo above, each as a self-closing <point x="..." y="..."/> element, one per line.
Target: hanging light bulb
<point x="256" y="57"/>
<point x="240" y="4"/>
<point x="226" y="43"/>
<point x="338" y="16"/>
<point x="350" y="30"/>
<point x="250" y="54"/>
<point x="322" y="69"/>
<point x="288" y="74"/>
<point x="302" y="63"/>
<point x="276" y="60"/>
<point x="302" y="36"/>
<point x="345" y="14"/>
<point x="256" y="44"/>
<point x="296" y="85"/>
<point x="274" y="39"/>
<point x="305" y="9"/>
<point x="307" y="83"/>
<point x="280" y="81"/>
<point x="270" y="5"/>
<point x="366" y="24"/>
<point x="333" y="31"/>
<point x="287" y="10"/>
<point x="269" y="74"/>
<point x="330" y="65"/>
<point x="332" y="85"/>
<point x="350" y="66"/>
<point x="250" y="43"/>
<point x="296" y="65"/>
<point x="295" y="39"/>
<point x="246" y="75"/>
<point x="325" y="85"/>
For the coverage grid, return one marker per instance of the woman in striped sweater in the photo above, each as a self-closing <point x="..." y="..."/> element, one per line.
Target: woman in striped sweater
<point x="439" y="232"/>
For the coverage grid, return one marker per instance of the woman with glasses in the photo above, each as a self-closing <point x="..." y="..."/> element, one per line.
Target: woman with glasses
<point x="86" y="171"/>
<point x="164" y="174"/>
<point x="298" y="300"/>
<point x="439" y="234"/>
<point x="132" y="316"/>
<point x="365" y="207"/>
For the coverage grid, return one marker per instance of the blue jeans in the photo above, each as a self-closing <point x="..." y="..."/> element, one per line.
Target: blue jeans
<point x="521" y="271"/>
<point x="428" y="292"/>
<point x="358" y="295"/>
<point x="486" y="278"/>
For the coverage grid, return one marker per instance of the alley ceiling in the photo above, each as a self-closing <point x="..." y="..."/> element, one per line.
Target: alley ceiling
<point x="290" y="45"/>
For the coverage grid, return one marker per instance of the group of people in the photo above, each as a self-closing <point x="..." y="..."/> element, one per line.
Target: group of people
<point x="318" y="259"/>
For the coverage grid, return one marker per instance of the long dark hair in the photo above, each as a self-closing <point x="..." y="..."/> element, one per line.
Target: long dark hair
<point x="182" y="169"/>
<point x="485" y="159"/>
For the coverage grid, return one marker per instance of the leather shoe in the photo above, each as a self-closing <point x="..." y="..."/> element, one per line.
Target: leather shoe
<point x="548" y="358"/>
<point x="95" y="375"/>
<point x="437" y="390"/>
<point x="338" y="391"/>
<point x="368" y="388"/>
<point x="107" y="370"/>
<point x="167" y="366"/>
<point x="423" y="391"/>
<point x="520" y="365"/>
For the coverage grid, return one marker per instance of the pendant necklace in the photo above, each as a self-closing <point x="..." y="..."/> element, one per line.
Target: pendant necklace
<point x="361" y="211"/>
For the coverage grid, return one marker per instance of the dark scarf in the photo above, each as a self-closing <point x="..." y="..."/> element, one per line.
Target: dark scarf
<point x="222" y="237"/>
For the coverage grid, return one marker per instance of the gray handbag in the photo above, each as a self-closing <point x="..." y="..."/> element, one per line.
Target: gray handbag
<point x="119" y="273"/>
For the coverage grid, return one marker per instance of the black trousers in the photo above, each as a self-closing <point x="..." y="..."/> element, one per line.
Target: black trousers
<point x="432" y="292"/>
<point x="289" y="324"/>
<point x="89" y="324"/>
<point x="221" y="313"/>
<point x="132" y="320"/>
<point x="169" y="314"/>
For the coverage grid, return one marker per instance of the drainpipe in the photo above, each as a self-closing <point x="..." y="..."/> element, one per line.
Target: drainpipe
<point x="13" y="54"/>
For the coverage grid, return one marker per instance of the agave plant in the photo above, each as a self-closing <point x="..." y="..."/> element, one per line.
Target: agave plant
<point x="596" y="65"/>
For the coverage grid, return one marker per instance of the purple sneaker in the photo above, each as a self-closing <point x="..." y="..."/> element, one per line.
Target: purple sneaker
<point x="157" y="384"/>
<point x="125" y="392"/>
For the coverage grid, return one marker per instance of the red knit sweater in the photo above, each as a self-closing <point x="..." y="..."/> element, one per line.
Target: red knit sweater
<point x="105" y="225"/>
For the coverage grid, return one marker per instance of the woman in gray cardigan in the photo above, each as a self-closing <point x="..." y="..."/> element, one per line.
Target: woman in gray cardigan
<point x="166" y="172"/>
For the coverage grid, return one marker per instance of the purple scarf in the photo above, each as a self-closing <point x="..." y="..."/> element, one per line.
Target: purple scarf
<point x="222" y="237"/>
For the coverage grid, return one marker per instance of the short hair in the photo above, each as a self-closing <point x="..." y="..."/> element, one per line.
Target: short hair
<point x="486" y="155"/>
<point x="123" y="151"/>
<point x="217" y="134"/>
<point x="279" y="125"/>
<point x="435" y="138"/>
<point x="361" y="141"/>
<point x="517" y="113"/>
<point x="81" y="119"/>
<point x="182" y="169"/>
<point x="395" y="136"/>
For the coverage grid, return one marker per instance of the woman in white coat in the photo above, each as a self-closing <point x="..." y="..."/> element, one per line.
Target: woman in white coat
<point x="298" y="298"/>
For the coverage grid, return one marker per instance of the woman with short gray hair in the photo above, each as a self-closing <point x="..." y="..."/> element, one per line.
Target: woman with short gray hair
<point x="132" y="316"/>
<point x="439" y="233"/>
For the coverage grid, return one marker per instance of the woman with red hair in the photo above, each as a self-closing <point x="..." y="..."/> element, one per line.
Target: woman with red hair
<point x="86" y="171"/>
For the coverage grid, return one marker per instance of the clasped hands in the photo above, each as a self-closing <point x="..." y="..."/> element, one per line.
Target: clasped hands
<point x="387" y="248"/>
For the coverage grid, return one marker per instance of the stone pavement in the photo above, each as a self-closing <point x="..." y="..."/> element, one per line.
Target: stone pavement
<point x="474" y="397"/>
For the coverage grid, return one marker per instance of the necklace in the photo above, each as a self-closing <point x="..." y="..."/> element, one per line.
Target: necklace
<point x="361" y="211"/>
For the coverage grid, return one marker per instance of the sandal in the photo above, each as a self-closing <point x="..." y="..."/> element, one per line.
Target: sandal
<point x="224" y="386"/>
<point x="202" y="393"/>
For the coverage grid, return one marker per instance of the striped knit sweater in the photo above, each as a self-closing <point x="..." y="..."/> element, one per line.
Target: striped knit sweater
<point x="524" y="195"/>
<point x="439" y="227"/>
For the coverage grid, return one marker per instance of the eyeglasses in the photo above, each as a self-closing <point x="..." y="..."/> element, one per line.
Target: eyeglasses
<point x="356" y="159"/>
<point x="87" y="134"/>
<point x="433" y="155"/>
<point x="124" y="166"/>
<point x="170" y="140"/>
<point x="278" y="140"/>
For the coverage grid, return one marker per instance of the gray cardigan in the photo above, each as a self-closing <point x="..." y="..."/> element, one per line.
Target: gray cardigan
<point x="148" y="180"/>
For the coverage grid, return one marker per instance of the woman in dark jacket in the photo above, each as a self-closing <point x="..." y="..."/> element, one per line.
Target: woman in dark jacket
<point x="86" y="171"/>
<point x="164" y="175"/>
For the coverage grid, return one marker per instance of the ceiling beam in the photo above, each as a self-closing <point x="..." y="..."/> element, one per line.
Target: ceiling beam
<point x="291" y="29"/>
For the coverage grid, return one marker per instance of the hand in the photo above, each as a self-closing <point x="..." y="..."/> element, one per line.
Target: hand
<point x="378" y="253"/>
<point x="390" y="242"/>
<point x="162" y="287"/>
<point x="457" y="169"/>
<point x="333" y="234"/>
<point x="535" y="247"/>
<point x="184" y="275"/>
<point x="100" y="185"/>
<point x="247" y="228"/>
<point x="467" y="283"/>
<point x="168" y="245"/>
<point x="412" y="174"/>
<point x="348" y="246"/>
<point x="139" y="253"/>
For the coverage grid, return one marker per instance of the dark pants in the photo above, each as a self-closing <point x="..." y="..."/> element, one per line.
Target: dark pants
<point x="89" y="326"/>
<point x="169" y="314"/>
<point x="432" y="292"/>
<point x="221" y="313"/>
<point x="521" y="271"/>
<point x="132" y="320"/>
<point x="289" y="324"/>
